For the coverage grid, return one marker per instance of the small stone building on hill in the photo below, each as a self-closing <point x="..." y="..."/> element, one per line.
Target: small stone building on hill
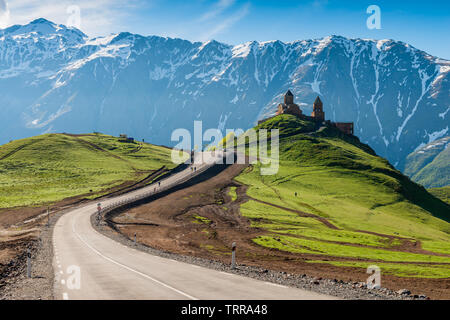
<point x="318" y="115"/>
<point x="289" y="106"/>
<point x="346" y="127"/>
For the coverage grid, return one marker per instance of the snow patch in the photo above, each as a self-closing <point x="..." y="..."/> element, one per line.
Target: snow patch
<point x="443" y="114"/>
<point x="437" y="134"/>
<point x="241" y="50"/>
<point x="424" y="77"/>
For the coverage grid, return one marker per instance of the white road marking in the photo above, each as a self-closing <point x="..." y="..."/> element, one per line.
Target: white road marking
<point x="85" y="240"/>
<point x="63" y="282"/>
<point x="275" y="284"/>
<point x="131" y="269"/>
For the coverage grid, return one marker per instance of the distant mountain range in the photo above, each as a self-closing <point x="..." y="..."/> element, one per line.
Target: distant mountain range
<point x="56" y="79"/>
<point x="430" y="164"/>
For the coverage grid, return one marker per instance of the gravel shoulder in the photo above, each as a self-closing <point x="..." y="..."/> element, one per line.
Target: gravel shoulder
<point x="40" y="286"/>
<point x="17" y="286"/>
<point x="14" y="284"/>
<point x="341" y="289"/>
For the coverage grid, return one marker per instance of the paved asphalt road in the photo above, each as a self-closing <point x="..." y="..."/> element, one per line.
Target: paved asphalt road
<point x="110" y="270"/>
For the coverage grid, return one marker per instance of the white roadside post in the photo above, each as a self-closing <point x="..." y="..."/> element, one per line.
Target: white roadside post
<point x="233" y="255"/>
<point x="135" y="238"/>
<point x="99" y="210"/>
<point x="48" y="216"/>
<point x="28" y="263"/>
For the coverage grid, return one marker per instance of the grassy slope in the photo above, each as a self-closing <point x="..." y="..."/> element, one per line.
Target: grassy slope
<point x="441" y="193"/>
<point x="52" y="167"/>
<point x="429" y="165"/>
<point x="342" y="180"/>
<point x="437" y="173"/>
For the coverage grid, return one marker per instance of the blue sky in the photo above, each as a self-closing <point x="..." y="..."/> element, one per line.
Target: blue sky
<point x="424" y="24"/>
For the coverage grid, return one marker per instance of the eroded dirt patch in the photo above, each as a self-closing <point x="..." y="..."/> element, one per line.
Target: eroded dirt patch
<point x="202" y="220"/>
<point x="26" y="228"/>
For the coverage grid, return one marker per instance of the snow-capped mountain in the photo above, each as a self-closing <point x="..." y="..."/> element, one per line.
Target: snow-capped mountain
<point x="56" y="79"/>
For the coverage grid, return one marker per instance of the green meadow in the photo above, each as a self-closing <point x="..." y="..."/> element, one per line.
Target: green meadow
<point x="441" y="193"/>
<point x="51" y="167"/>
<point x="232" y="193"/>
<point x="409" y="270"/>
<point x="373" y="208"/>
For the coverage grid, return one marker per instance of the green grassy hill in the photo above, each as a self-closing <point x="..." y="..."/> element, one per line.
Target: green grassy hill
<point x="352" y="207"/>
<point x="441" y="193"/>
<point x="430" y="164"/>
<point x="52" y="167"/>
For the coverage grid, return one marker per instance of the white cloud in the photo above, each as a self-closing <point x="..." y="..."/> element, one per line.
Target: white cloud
<point x="102" y="17"/>
<point x="227" y="22"/>
<point x="217" y="9"/>
<point x="4" y="14"/>
<point x="97" y="16"/>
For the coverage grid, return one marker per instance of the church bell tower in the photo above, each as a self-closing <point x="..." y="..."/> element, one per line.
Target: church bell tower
<point x="318" y="113"/>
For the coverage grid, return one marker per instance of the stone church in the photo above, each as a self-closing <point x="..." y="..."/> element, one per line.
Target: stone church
<point x="318" y="115"/>
<point x="289" y="106"/>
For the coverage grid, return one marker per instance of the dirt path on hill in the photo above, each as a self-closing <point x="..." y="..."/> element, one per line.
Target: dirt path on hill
<point x="172" y="223"/>
<point x="9" y="154"/>
<point x="20" y="227"/>
<point x="18" y="217"/>
<point x="203" y="221"/>
<point x="98" y="148"/>
<point x="300" y="213"/>
<point x="407" y="244"/>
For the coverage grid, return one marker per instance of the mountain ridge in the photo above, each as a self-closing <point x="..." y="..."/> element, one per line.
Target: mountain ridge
<point x="429" y="164"/>
<point x="133" y="83"/>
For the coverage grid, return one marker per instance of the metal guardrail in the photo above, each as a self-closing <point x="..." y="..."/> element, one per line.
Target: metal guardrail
<point x="158" y="189"/>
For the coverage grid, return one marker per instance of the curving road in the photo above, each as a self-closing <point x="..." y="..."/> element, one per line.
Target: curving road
<point x="110" y="270"/>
